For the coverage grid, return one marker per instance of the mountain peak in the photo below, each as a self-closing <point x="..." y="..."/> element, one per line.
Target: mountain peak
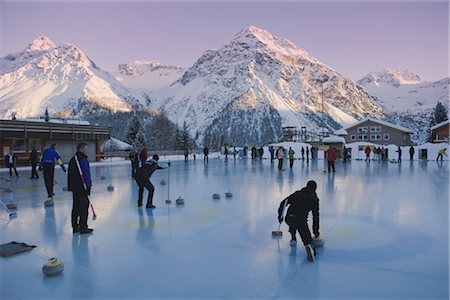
<point x="253" y="35"/>
<point x="41" y="43"/>
<point x="393" y="77"/>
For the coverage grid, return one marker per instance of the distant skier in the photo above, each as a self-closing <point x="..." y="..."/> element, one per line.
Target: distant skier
<point x="303" y="153"/>
<point x="48" y="161"/>
<point x="367" y="152"/>
<point x="411" y="153"/>
<point x="441" y="154"/>
<point x="307" y="154"/>
<point x="143" y="175"/>
<point x="205" y="154"/>
<point x="33" y="160"/>
<point x="80" y="185"/>
<point x="11" y="161"/>
<point x="272" y="153"/>
<point x="261" y="152"/>
<point x="399" y="151"/>
<point x="300" y="204"/>
<point x="291" y="157"/>
<point x="331" y="156"/>
<point x="280" y="156"/>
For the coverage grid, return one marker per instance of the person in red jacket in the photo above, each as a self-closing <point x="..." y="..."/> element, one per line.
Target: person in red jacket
<point x="367" y="151"/>
<point x="331" y="157"/>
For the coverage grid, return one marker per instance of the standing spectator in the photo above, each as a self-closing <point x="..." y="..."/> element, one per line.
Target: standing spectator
<point x="11" y="160"/>
<point x="367" y="151"/>
<point x="441" y="154"/>
<point x="253" y="152"/>
<point x="132" y="155"/>
<point x="234" y="153"/>
<point x="307" y="154"/>
<point x="261" y="152"/>
<point x="313" y="152"/>
<point x="33" y="160"/>
<point x="205" y="154"/>
<point x="186" y="154"/>
<point x="143" y="155"/>
<point x="245" y="151"/>
<point x="79" y="182"/>
<point x="331" y="156"/>
<point x="383" y="154"/>
<point x="303" y="153"/>
<point x="399" y="151"/>
<point x="387" y="153"/>
<point x="48" y="161"/>
<point x="280" y="156"/>
<point x="272" y="153"/>
<point x="225" y="151"/>
<point x="291" y="157"/>
<point x="411" y="153"/>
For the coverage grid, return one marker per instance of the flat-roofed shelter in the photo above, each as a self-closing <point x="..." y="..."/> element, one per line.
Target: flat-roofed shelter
<point x="21" y="135"/>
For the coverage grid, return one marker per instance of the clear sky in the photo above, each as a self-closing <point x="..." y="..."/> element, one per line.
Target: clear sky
<point x="353" y="37"/>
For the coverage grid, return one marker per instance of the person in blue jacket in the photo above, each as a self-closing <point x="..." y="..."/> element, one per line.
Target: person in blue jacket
<point x="48" y="161"/>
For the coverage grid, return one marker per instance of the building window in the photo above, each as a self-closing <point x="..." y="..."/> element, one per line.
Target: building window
<point x="18" y="145"/>
<point x="353" y="137"/>
<point x="386" y="137"/>
<point x="375" y="128"/>
<point x="363" y="129"/>
<point x="375" y="137"/>
<point x="362" y="137"/>
<point x="36" y="143"/>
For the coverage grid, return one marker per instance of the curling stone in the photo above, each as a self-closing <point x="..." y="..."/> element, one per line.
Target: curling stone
<point x="64" y="188"/>
<point x="216" y="196"/>
<point x="8" y="190"/>
<point x="11" y="205"/>
<point x="48" y="203"/>
<point x="179" y="201"/>
<point x="110" y="188"/>
<point x="168" y="201"/>
<point x="318" y="242"/>
<point x="53" y="267"/>
<point x="163" y="182"/>
<point x="102" y="177"/>
<point x="55" y="182"/>
<point x="228" y="195"/>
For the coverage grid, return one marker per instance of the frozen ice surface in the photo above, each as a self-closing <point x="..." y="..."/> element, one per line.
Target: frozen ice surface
<point x="385" y="226"/>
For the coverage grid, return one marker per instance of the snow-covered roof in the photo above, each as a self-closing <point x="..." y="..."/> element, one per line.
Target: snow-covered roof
<point x="341" y="131"/>
<point x="440" y="125"/>
<point x="382" y="123"/>
<point x="58" y="121"/>
<point x="333" y="139"/>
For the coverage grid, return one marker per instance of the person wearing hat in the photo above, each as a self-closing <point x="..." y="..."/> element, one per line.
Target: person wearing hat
<point x="299" y="205"/>
<point x="142" y="178"/>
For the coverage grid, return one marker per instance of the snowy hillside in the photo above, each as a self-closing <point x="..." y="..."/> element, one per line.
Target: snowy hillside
<point x="147" y="75"/>
<point x="61" y="78"/>
<point x="401" y="91"/>
<point x="262" y="82"/>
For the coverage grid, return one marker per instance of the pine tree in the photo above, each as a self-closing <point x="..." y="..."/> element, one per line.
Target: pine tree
<point x="134" y="127"/>
<point x="140" y="141"/>
<point x="185" y="137"/>
<point x="440" y="113"/>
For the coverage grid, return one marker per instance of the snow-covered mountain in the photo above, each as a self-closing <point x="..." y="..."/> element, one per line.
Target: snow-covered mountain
<point x="61" y="78"/>
<point x="404" y="91"/>
<point x="408" y="100"/>
<point x="246" y="90"/>
<point x="147" y="75"/>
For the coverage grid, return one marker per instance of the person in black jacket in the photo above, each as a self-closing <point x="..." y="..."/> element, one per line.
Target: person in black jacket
<point x="300" y="204"/>
<point x="33" y="160"/>
<point x="142" y="179"/>
<point x="11" y="159"/>
<point x="80" y="186"/>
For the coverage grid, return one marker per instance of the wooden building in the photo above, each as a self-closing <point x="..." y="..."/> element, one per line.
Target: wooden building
<point x="20" y="135"/>
<point x="440" y="132"/>
<point x="378" y="132"/>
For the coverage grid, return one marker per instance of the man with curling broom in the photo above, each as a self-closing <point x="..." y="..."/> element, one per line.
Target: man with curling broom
<point x="300" y="204"/>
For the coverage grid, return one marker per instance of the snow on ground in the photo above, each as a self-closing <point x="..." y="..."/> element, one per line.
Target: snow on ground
<point x="385" y="227"/>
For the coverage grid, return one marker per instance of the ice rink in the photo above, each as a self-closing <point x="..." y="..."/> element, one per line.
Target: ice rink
<point x="386" y="228"/>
